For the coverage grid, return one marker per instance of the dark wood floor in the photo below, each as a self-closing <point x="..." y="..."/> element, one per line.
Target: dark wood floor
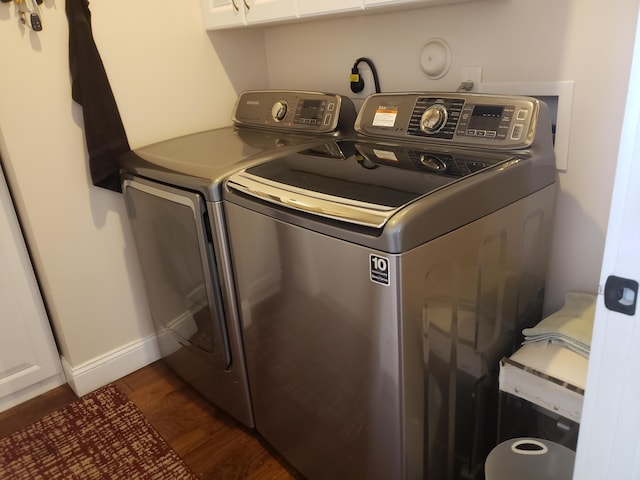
<point x="210" y="442"/>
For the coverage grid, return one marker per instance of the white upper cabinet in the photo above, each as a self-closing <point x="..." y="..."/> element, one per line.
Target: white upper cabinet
<point x="261" y="11"/>
<point x="327" y="7"/>
<point x="408" y="3"/>
<point x="220" y="14"/>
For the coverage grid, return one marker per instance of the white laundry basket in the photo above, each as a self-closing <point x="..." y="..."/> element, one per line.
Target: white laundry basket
<point x="529" y="459"/>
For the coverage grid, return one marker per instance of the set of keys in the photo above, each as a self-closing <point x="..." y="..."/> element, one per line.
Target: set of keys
<point x="30" y="9"/>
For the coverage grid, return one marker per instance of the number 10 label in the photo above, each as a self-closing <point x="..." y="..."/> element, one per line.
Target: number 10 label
<point x="379" y="269"/>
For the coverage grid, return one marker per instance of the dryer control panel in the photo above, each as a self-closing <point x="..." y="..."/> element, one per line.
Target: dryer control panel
<point x="491" y="121"/>
<point x="309" y="112"/>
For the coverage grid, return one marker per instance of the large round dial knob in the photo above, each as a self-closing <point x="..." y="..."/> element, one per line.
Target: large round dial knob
<point x="433" y="119"/>
<point x="279" y="110"/>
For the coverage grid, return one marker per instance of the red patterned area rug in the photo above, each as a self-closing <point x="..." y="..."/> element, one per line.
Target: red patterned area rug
<point x="102" y="435"/>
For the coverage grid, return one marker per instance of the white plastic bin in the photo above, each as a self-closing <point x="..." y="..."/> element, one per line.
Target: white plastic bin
<point x="529" y="459"/>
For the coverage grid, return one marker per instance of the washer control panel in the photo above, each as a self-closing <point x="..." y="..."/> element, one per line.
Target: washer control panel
<point x="312" y="112"/>
<point x="492" y="121"/>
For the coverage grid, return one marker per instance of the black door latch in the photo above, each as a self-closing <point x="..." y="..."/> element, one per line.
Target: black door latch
<point x="621" y="294"/>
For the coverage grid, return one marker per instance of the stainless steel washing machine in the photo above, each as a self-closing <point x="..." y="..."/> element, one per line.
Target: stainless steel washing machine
<point x="379" y="285"/>
<point x="172" y="191"/>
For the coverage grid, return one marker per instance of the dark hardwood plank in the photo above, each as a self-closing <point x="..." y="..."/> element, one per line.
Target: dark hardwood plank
<point x="213" y="444"/>
<point x="25" y="414"/>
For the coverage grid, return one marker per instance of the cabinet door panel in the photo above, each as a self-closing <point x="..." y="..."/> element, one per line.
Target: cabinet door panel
<point x="408" y="3"/>
<point x="261" y="11"/>
<point x="325" y="7"/>
<point x="27" y="351"/>
<point x="223" y="13"/>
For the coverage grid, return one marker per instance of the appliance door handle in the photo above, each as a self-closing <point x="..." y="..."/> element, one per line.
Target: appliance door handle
<point x="197" y="205"/>
<point x="343" y="209"/>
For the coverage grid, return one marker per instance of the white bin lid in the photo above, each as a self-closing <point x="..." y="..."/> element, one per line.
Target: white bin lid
<point x="529" y="459"/>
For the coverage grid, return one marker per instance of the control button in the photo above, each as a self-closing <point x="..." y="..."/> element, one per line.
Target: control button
<point x="480" y="133"/>
<point x="327" y="119"/>
<point x="471" y="132"/>
<point x="522" y="115"/>
<point x="490" y="134"/>
<point x="330" y="107"/>
<point x="517" y="132"/>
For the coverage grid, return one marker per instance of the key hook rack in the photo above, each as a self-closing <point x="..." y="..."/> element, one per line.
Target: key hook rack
<point x="29" y="12"/>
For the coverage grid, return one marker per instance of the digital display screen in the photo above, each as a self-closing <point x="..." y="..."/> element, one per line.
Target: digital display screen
<point x="311" y="109"/>
<point x="486" y="117"/>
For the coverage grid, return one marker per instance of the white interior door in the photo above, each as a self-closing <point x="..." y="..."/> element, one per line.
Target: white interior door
<point x="29" y="361"/>
<point x="609" y="442"/>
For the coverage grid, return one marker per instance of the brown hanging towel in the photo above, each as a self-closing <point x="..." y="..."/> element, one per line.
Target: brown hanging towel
<point x="104" y="133"/>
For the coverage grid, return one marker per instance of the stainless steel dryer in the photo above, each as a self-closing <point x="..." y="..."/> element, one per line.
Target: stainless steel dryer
<point x="380" y="285"/>
<point x="172" y="191"/>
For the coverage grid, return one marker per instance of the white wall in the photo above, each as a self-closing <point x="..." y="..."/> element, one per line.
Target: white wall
<point x="169" y="77"/>
<point x="587" y="41"/>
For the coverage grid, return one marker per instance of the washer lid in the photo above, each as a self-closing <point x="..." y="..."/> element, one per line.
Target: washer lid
<point x="360" y="183"/>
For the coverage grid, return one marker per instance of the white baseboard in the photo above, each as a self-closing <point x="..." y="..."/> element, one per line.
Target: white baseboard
<point x="111" y="366"/>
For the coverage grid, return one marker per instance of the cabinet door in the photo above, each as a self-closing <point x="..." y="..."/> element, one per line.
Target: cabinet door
<point x="388" y="3"/>
<point x="220" y="14"/>
<point x="223" y="13"/>
<point x="408" y="3"/>
<point x="261" y="11"/>
<point x="326" y="7"/>
<point x="29" y="362"/>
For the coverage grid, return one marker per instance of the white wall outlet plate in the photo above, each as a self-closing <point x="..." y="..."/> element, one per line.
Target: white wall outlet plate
<point x="558" y="96"/>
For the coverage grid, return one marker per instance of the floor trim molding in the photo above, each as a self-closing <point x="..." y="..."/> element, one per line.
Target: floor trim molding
<point x="101" y="370"/>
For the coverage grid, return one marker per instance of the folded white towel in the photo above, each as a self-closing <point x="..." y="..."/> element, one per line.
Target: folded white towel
<point x="571" y="326"/>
